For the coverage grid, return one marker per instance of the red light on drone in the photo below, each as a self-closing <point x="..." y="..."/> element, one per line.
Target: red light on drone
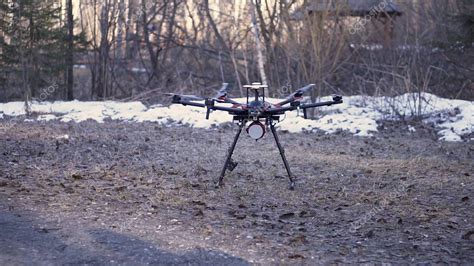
<point x="256" y="130"/>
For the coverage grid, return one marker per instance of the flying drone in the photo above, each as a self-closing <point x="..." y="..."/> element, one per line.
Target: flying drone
<point x="257" y="115"/>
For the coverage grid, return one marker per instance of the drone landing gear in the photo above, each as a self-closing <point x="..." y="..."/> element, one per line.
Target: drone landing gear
<point x="282" y="153"/>
<point x="230" y="165"/>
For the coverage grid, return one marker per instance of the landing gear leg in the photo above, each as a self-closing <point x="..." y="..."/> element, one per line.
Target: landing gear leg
<point x="282" y="153"/>
<point x="229" y="164"/>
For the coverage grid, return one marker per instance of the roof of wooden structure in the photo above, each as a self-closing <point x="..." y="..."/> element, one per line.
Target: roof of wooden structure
<point x="349" y="8"/>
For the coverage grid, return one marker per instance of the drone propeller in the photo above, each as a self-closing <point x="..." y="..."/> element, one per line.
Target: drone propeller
<point x="221" y="96"/>
<point x="185" y="97"/>
<point x="297" y="94"/>
<point x="209" y="103"/>
<point x="336" y="99"/>
<point x="222" y="92"/>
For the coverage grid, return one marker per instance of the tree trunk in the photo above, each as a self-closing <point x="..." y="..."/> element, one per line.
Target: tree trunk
<point x="70" y="53"/>
<point x="260" y="58"/>
<point x="128" y="29"/>
<point x="121" y="18"/>
<point x="103" y="52"/>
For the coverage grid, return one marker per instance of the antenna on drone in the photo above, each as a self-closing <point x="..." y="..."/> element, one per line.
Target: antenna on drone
<point x="257" y="87"/>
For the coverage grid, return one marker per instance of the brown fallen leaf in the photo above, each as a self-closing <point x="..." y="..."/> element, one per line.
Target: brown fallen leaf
<point x="369" y="234"/>
<point x="468" y="236"/>
<point x="198" y="202"/>
<point x="237" y="214"/>
<point x="76" y="176"/>
<point x="296" y="256"/>
<point x="298" y="240"/>
<point x="198" y="212"/>
<point x="287" y="215"/>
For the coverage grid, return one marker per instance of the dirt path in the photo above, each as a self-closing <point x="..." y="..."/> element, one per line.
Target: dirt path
<point x="27" y="240"/>
<point x="140" y="193"/>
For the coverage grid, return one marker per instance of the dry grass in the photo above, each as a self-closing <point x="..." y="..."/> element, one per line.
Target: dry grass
<point x="156" y="184"/>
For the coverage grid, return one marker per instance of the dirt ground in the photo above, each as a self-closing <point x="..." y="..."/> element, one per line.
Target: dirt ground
<point x="128" y="193"/>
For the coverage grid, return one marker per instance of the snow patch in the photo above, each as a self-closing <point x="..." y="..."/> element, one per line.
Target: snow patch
<point x="357" y="115"/>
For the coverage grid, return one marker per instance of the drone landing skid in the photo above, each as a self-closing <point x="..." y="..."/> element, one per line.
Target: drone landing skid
<point x="282" y="153"/>
<point x="230" y="165"/>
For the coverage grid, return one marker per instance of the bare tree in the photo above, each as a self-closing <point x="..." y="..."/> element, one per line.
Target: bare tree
<point x="120" y="31"/>
<point x="256" y="32"/>
<point x="70" y="52"/>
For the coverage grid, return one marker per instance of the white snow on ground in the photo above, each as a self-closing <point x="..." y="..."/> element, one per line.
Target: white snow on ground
<point x="358" y="114"/>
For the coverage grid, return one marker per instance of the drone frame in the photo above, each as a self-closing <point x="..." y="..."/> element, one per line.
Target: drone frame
<point x="255" y="111"/>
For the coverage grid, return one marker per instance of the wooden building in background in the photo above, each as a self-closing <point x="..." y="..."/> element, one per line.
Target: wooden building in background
<point x="381" y="14"/>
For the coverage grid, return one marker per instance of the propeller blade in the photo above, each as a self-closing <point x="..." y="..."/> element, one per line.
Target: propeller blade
<point x="187" y="97"/>
<point x="222" y="92"/>
<point x="299" y="92"/>
<point x="221" y="95"/>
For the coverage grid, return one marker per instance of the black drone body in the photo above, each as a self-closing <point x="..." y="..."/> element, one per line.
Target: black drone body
<point x="257" y="113"/>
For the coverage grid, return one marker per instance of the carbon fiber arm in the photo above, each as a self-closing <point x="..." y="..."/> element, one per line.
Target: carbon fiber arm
<point x="210" y="105"/>
<point x="296" y="105"/>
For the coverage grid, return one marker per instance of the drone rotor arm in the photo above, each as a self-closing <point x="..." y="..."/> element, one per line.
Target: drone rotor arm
<point x="275" y="111"/>
<point x="231" y="110"/>
<point x="176" y="98"/>
<point x="280" y="110"/>
<point x="228" y="100"/>
<point x="335" y="100"/>
<point x="234" y="102"/>
<point x="287" y="101"/>
<point x="187" y="102"/>
<point x="320" y="104"/>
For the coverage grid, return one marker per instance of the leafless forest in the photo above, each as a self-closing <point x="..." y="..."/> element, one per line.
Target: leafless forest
<point x="131" y="181"/>
<point x="138" y="49"/>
